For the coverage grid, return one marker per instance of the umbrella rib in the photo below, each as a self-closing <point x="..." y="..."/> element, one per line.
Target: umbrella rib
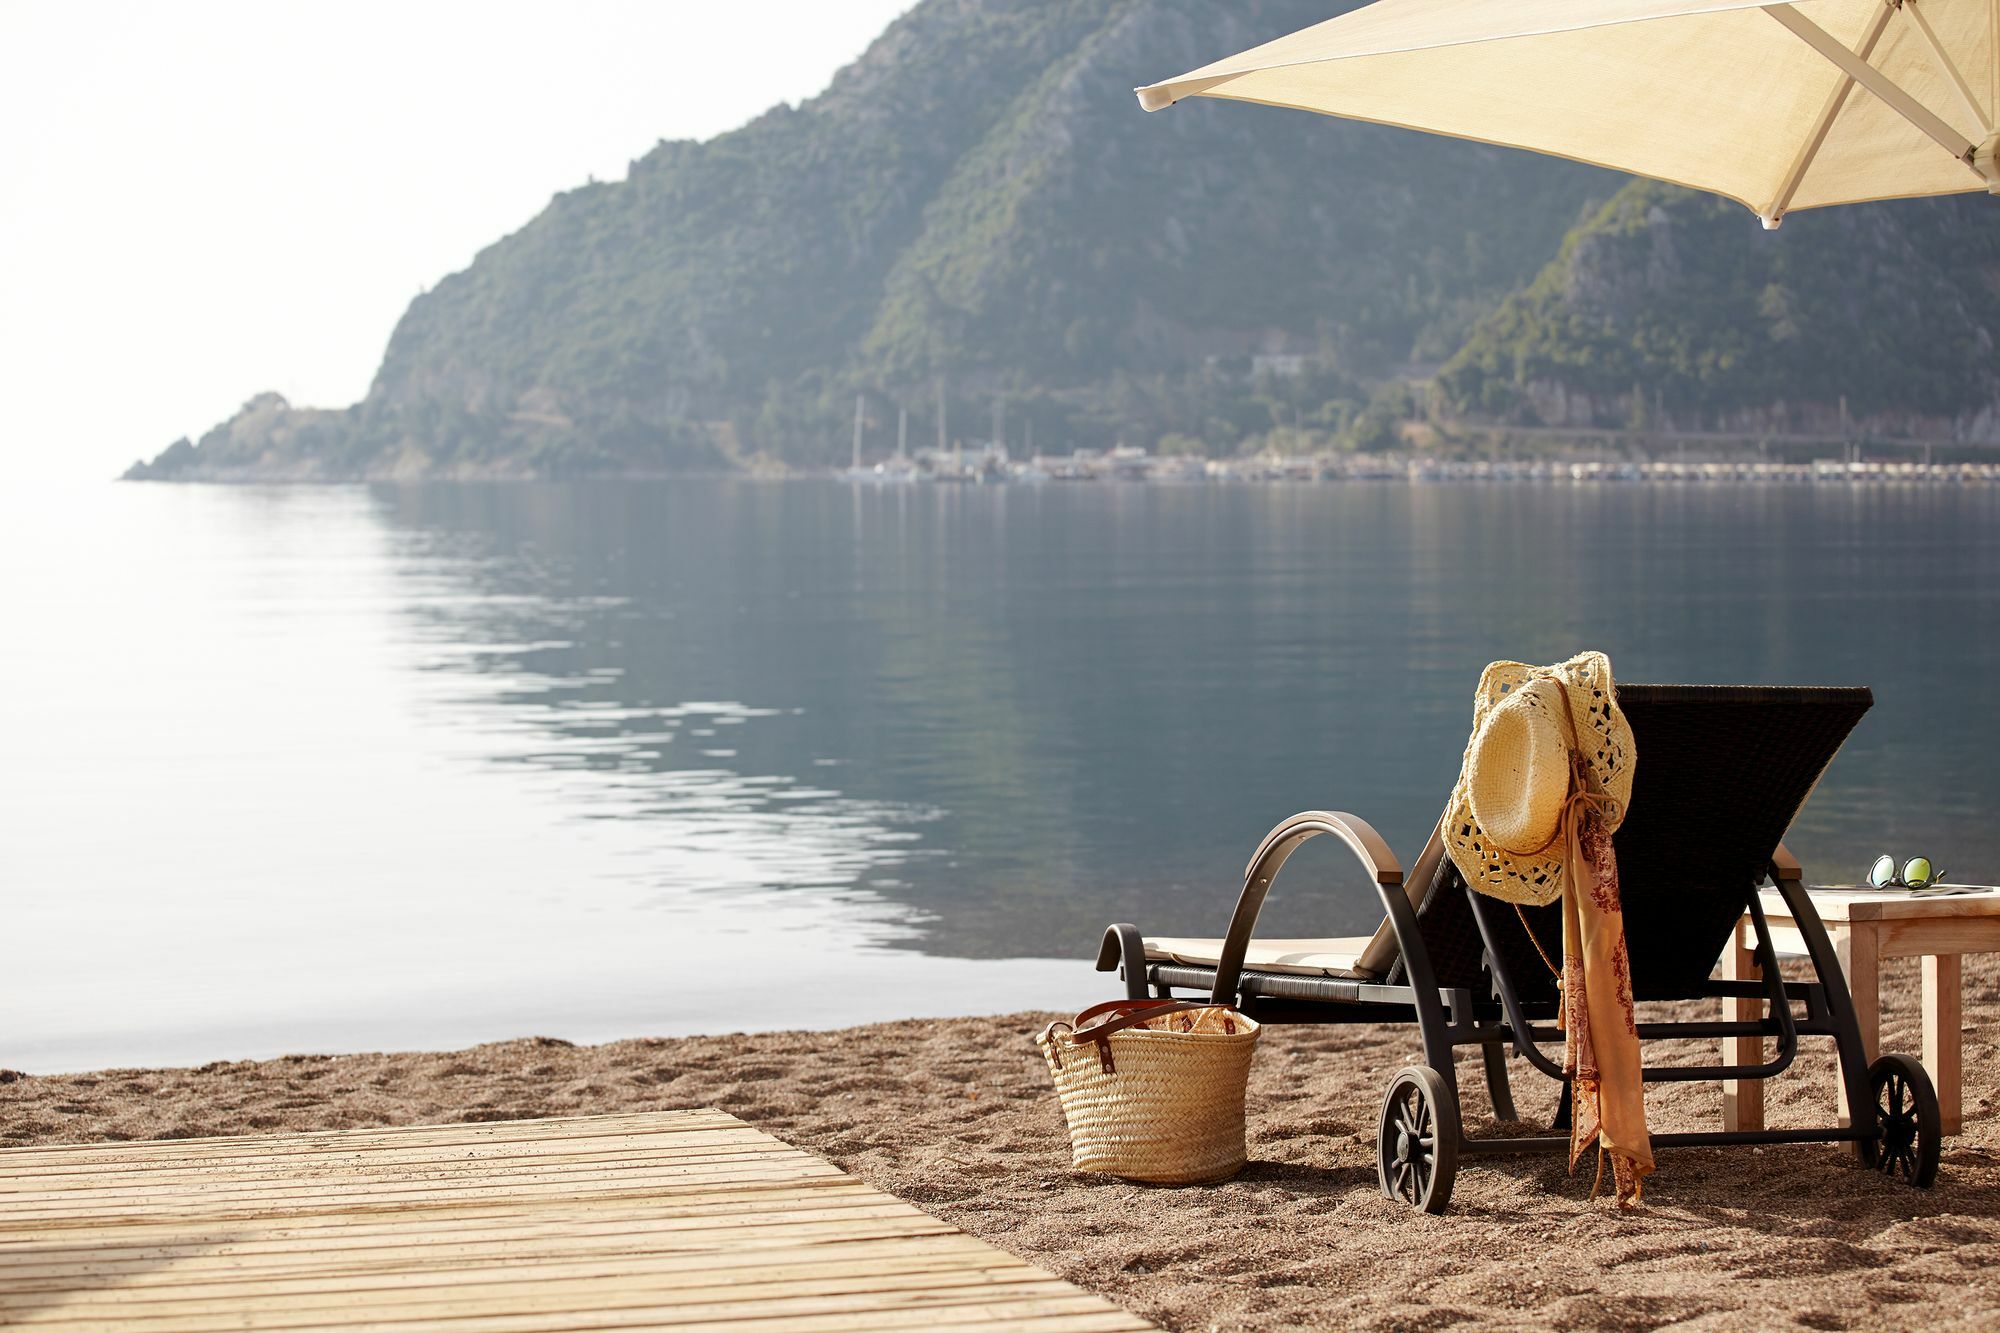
<point x="1945" y="63"/>
<point x="1865" y="74"/>
<point x="1817" y="139"/>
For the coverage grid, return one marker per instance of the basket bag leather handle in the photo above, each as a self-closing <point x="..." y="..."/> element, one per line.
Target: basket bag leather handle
<point x="1135" y="1013"/>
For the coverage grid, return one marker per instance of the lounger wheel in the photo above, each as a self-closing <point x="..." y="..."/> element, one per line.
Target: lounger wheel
<point x="1908" y="1131"/>
<point x="1416" y="1143"/>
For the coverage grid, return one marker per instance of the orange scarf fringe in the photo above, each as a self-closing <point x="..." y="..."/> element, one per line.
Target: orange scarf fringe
<point x="1601" y="1039"/>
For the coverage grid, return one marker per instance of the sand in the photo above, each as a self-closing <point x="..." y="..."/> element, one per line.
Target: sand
<point x="958" y="1117"/>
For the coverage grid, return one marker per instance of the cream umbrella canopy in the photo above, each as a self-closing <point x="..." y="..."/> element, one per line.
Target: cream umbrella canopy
<point x="1777" y="106"/>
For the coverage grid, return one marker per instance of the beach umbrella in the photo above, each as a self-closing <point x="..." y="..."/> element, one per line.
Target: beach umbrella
<point x="1777" y="106"/>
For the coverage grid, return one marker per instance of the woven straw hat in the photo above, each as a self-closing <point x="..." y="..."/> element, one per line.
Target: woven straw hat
<point x="1504" y="825"/>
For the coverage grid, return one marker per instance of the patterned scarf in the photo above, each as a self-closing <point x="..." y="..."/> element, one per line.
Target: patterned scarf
<point x="1601" y="1039"/>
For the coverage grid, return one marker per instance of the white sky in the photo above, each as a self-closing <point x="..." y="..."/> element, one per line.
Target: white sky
<point x="201" y="200"/>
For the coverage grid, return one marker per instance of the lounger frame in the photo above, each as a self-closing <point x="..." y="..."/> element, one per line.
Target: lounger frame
<point x="1501" y="1020"/>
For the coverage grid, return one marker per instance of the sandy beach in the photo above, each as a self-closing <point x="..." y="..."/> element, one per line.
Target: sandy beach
<point x="959" y="1118"/>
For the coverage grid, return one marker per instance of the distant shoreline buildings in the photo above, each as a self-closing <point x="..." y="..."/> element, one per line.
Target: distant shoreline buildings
<point x="991" y="464"/>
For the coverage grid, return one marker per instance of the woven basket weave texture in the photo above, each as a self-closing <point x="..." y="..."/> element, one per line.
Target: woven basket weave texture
<point x="1169" y="1109"/>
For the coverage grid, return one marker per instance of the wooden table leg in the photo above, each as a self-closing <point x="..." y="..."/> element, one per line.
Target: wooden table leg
<point x="1742" y="1099"/>
<point x="1942" y="1024"/>
<point x="1860" y="958"/>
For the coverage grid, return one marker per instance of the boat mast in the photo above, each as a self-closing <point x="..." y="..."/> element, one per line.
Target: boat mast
<point x="857" y="431"/>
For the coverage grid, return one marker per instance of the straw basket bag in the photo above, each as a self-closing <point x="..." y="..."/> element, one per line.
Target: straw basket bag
<point x="1153" y="1089"/>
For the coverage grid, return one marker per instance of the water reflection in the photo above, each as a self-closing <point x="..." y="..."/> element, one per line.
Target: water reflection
<point x="1044" y="707"/>
<point x="421" y="766"/>
<point x="283" y="776"/>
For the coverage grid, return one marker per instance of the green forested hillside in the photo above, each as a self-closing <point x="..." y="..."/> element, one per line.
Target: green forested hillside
<point x="979" y="200"/>
<point x="1672" y="304"/>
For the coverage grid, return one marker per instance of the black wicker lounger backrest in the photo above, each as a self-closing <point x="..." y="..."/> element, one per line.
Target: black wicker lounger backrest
<point x="1722" y="771"/>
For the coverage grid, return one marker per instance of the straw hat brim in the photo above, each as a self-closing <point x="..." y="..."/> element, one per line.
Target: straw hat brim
<point x="1603" y="735"/>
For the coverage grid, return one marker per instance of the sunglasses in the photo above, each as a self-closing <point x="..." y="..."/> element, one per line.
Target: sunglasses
<point x="1917" y="873"/>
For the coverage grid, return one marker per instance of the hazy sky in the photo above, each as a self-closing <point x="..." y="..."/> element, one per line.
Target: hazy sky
<point x="202" y="200"/>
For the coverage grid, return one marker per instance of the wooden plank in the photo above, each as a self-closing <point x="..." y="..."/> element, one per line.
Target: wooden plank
<point x="334" y="1201"/>
<point x="559" y="1130"/>
<point x="691" y="1242"/>
<point x="584" y="1178"/>
<point x="750" y="1180"/>
<point x="602" y="1285"/>
<point x="1861" y="960"/>
<point x="1040" y="1319"/>
<point x="627" y="1213"/>
<point x="178" y="1152"/>
<point x="674" y="1219"/>
<point x="247" y="1158"/>
<point x="1742" y="1098"/>
<point x="616" y="1148"/>
<point x="323" y="1232"/>
<point x="1788" y="939"/>
<point x="608" y="1307"/>
<point x="327" y="1228"/>
<point x="413" y="1161"/>
<point x="734" y="1165"/>
<point x="1888" y="905"/>
<point x="603" y="1288"/>
<point x="180" y="1270"/>
<point x="762" y="1186"/>
<point x="1943" y="1020"/>
<point x="453" y="1131"/>
<point x="332" y="1226"/>
<point x="1903" y="937"/>
<point x="976" y="1309"/>
<point x="661" y="1177"/>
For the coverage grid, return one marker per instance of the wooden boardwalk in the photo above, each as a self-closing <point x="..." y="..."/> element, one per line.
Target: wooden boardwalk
<point x="682" y="1219"/>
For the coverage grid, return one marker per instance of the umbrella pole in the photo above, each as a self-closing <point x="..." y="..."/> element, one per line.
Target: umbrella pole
<point x="1986" y="161"/>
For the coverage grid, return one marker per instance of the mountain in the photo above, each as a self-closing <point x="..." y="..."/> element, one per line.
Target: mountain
<point x="978" y="196"/>
<point x="1671" y="309"/>
<point x="978" y="204"/>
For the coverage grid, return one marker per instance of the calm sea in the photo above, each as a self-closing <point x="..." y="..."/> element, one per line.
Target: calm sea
<point x="353" y="768"/>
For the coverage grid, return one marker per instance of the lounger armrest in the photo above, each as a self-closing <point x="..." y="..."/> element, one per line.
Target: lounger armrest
<point x="1124" y="945"/>
<point x="1356" y="832"/>
<point x="1785" y="866"/>
<point x="1278" y="845"/>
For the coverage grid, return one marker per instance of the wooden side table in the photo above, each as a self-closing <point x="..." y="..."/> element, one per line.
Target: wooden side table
<point x="1866" y="928"/>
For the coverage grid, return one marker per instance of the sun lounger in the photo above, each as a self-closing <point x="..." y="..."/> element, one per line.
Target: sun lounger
<point x="1722" y="772"/>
